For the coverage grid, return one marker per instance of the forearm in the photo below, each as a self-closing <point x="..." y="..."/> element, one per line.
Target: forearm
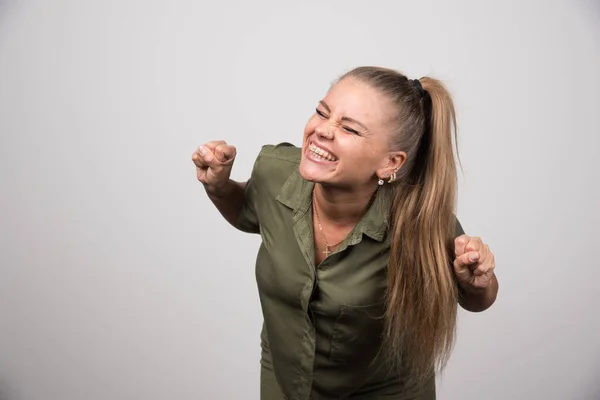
<point x="479" y="300"/>
<point x="229" y="200"/>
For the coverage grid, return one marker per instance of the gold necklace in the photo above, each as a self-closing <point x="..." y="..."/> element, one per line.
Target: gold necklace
<point x="327" y="250"/>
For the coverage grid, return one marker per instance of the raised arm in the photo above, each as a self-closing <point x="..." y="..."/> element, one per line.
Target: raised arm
<point x="214" y="161"/>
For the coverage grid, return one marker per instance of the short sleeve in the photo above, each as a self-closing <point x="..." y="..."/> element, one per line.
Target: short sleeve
<point x="458" y="229"/>
<point x="272" y="168"/>
<point x="248" y="219"/>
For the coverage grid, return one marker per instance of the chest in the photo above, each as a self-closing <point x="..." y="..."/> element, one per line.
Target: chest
<point x="295" y="266"/>
<point x="327" y="244"/>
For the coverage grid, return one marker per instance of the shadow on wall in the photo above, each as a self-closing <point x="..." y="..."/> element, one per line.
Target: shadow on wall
<point x="5" y="6"/>
<point x="591" y="10"/>
<point x="8" y="392"/>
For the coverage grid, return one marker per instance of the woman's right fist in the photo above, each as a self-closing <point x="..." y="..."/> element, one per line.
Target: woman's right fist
<point x="213" y="164"/>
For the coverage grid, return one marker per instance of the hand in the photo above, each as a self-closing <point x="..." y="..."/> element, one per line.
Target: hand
<point x="474" y="264"/>
<point x="214" y="161"/>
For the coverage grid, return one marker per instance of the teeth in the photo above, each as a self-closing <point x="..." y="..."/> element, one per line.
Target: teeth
<point x="320" y="153"/>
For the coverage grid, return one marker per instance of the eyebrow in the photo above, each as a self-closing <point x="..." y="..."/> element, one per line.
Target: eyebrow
<point x="347" y="119"/>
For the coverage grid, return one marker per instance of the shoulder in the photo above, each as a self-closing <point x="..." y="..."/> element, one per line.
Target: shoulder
<point x="274" y="165"/>
<point x="282" y="153"/>
<point x="284" y="157"/>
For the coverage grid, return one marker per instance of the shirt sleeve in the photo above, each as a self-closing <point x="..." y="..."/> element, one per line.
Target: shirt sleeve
<point x="248" y="219"/>
<point x="458" y="230"/>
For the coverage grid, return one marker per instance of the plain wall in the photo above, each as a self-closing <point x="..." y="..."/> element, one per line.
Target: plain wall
<point x="118" y="278"/>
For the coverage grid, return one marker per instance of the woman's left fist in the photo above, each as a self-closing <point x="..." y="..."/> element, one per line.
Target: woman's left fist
<point x="474" y="264"/>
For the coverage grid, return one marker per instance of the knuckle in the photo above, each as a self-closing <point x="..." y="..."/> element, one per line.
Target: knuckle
<point x="215" y="143"/>
<point x="474" y="244"/>
<point x="460" y="240"/>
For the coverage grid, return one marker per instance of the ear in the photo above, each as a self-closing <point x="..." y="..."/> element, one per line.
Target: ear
<point x="392" y="163"/>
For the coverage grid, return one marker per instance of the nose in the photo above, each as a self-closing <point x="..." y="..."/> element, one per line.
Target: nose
<point x="324" y="132"/>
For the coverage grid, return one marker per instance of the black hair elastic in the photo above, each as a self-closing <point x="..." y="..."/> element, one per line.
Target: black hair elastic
<point x="417" y="83"/>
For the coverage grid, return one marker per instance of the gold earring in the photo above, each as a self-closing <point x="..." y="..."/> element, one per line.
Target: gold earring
<point x="392" y="177"/>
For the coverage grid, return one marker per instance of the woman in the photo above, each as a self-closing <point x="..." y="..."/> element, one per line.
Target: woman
<point x="362" y="261"/>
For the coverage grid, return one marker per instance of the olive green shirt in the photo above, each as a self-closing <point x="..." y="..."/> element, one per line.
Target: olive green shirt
<point x="322" y="323"/>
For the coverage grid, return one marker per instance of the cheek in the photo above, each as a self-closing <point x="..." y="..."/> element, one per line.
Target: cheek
<point x="310" y="126"/>
<point x="367" y="157"/>
<point x="307" y="131"/>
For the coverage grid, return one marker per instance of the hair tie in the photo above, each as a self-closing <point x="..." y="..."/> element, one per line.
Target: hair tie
<point x="417" y="84"/>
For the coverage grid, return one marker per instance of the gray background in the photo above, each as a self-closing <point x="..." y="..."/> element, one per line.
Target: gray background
<point x="118" y="279"/>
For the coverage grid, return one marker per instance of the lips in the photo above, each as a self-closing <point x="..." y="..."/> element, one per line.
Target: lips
<point x="320" y="153"/>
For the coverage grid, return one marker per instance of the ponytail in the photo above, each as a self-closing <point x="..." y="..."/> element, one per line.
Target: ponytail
<point x="422" y="293"/>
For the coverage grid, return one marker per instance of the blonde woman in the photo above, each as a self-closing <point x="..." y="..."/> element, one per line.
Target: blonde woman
<point x="362" y="263"/>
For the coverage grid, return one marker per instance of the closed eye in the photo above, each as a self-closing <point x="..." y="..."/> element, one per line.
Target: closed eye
<point x="324" y="116"/>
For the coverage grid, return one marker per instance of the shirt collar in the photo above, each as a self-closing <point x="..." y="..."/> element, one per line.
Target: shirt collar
<point x="296" y="194"/>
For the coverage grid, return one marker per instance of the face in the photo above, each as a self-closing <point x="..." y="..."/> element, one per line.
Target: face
<point x="346" y="141"/>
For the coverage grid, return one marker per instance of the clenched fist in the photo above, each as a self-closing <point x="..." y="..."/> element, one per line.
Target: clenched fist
<point x="214" y="161"/>
<point x="474" y="264"/>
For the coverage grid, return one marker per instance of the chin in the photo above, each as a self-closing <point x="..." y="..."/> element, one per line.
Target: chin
<point x="308" y="173"/>
<point x="313" y="173"/>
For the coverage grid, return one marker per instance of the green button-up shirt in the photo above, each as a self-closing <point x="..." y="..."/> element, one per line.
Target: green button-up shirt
<point x="322" y="323"/>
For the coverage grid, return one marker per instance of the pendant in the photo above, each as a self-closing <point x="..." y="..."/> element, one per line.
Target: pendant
<point x="327" y="252"/>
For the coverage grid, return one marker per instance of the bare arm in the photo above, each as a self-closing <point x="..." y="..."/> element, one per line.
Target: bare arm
<point x="214" y="161"/>
<point x="229" y="201"/>
<point x="474" y="268"/>
<point x="478" y="300"/>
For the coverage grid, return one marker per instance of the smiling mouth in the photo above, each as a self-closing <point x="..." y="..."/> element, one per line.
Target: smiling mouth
<point x="321" y="154"/>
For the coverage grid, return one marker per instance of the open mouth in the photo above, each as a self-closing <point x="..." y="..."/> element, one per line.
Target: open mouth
<point x="320" y="154"/>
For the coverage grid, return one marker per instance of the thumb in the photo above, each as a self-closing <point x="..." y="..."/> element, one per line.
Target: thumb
<point x="467" y="260"/>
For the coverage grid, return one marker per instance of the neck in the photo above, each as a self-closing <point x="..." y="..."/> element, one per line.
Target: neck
<point x="343" y="206"/>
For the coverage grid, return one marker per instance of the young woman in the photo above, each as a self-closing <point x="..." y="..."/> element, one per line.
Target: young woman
<point x="362" y="262"/>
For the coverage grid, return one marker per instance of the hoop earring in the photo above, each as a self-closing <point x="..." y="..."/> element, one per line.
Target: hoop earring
<point x="392" y="177"/>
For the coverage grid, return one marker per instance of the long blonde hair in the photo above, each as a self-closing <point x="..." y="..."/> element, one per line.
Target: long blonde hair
<point x="422" y="295"/>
